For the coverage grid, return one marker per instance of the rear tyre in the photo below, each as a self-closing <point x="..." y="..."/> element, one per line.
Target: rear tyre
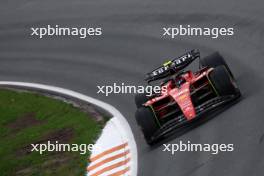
<point x="215" y="60"/>
<point x="147" y="121"/>
<point x="140" y="99"/>
<point x="222" y="81"/>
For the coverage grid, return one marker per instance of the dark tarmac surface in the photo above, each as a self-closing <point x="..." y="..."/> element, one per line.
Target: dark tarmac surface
<point x="131" y="45"/>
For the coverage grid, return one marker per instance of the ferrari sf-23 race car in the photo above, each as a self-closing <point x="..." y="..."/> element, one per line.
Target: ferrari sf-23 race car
<point x="187" y="94"/>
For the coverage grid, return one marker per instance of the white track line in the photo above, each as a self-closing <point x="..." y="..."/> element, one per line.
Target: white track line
<point x="107" y="107"/>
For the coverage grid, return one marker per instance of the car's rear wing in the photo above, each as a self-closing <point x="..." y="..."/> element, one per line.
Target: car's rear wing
<point x="172" y="66"/>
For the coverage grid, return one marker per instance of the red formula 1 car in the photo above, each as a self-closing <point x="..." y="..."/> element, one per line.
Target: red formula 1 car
<point x="185" y="95"/>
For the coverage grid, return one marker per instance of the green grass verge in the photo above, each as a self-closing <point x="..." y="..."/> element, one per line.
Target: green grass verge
<point x="41" y="117"/>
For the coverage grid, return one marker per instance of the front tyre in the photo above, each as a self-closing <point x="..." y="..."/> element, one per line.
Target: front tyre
<point x="222" y="81"/>
<point x="214" y="60"/>
<point x="147" y="121"/>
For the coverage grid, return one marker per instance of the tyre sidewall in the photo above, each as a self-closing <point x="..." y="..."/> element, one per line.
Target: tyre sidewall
<point x="222" y="81"/>
<point x="147" y="121"/>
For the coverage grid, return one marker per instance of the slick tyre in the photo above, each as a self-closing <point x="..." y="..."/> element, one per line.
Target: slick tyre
<point x="215" y="60"/>
<point x="222" y="81"/>
<point x="140" y="99"/>
<point x="147" y="121"/>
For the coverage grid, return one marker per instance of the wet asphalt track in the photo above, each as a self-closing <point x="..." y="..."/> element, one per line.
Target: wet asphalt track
<point x="131" y="46"/>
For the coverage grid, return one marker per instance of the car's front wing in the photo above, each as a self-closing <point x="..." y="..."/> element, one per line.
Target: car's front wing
<point x="181" y="121"/>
